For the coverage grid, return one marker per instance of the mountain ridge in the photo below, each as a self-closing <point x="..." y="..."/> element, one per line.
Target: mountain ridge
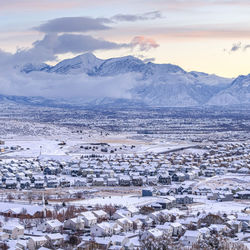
<point x="164" y="85"/>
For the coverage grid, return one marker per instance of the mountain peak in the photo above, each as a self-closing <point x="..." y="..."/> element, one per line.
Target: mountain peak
<point x="88" y="56"/>
<point x="84" y="63"/>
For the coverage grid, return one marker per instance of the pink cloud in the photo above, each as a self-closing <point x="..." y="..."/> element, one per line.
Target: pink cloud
<point x="144" y="43"/>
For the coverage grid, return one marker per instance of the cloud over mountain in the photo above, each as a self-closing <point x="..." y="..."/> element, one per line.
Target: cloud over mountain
<point x="73" y="24"/>
<point x="139" y="17"/>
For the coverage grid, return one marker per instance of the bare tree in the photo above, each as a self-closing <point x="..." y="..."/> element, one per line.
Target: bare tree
<point x="217" y="241"/>
<point x="10" y="197"/>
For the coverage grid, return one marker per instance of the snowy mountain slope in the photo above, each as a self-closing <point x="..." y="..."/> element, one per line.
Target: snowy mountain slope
<point x="236" y="94"/>
<point x="156" y="84"/>
<point x="81" y="64"/>
<point x="30" y="67"/>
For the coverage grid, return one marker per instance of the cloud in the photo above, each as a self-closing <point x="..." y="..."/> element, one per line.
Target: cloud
<point x="144" y="43"/>
<point x="236" y="47"/>
<point x="85" y="24"/>
<point x="75" y="43"/>
<point x="73" y="24"/>
<point x="52" y="85"/>
<point x="139" y="17"/>
<point x="53" y="44"/>
<point x="246" y="47"/>
<point x="239" y="46"/>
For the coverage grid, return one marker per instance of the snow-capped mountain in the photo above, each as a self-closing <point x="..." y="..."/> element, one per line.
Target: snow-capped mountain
<point x="86" y="63"/>
<point x="236" y="94"/>
<point x="156" y="84"/>
<point x="30" y="67"/>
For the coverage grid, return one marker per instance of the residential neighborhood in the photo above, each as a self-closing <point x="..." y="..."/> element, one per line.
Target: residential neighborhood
<point x="182" y="198"/>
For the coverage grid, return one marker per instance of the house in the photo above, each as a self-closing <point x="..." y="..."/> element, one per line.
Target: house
<point x="52" y="183"/>
<point x="164" y="179"/>
<point x="205" y="232"/>
<point x="3" y="236"/>
<point x="178" y="177"/>
<point x="101" y="229"/>
<point x="118" y="240"/>
<point x="225" y="197"/>
<point x="146" y="221"/>
<point x="156" y="216"/>
<point x="125" y="223"/>
<point x="18" y="212"/>
<point x="220" y="228"/>
<point x="21" y="244"/>
<point x="152" y="180"/>
<point x="245" y="219"/>
<point x="39" y="184"/>
<point x="172" y="200"/>
<point x="50" y="171"/>
<point x="10" y="184"/>
<point x="154" y="233"/>
<point x="55" y="239"/>
<point x="25" y="184"/>
<point x="36" y="242"/>
<point x="89" y="218"/>
<point x="165" y="191"/>
<point x="133" y="210"/>
<point x="177" y="228"/>
<point x="121" y="213"/>
<point x="203" y="191"/>
<point x="14" y="231"/>
<point x="183" y="199"/>
<point x="213" y="196"/>
<point x="100" y="214"/>
<point x="74" y="224"/>
<point x="102" y="243"/>
<point x="190" y="237"/>
<point x="125" y="181"/>
<point x="244" y="195"/>
<point x="209" y="173"/>
<point x="235" y="225"/>
<point x="52" y="226"/>
<point x="137" y="223"/>
<point x="137" y="180"/>
<point x="80" y="183"/>
<point x="98" y="182"/>
<point x="165" y="203"/>
<point x="112" y="182"/>
<point x="99" y="243"/>
<point x="64" y="183"/>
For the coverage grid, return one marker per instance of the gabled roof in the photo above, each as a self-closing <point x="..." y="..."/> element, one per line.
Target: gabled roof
<point x="54" y="223"/>
<point x="88" y="215"/>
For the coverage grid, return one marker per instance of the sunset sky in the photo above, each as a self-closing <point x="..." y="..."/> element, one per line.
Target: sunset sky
<point x="211" y="36"/>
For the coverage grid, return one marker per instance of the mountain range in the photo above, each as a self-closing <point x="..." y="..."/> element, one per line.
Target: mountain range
<point x="156" y="85"/>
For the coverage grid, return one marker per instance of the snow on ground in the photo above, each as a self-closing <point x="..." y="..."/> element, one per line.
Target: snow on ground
<point x="195" y="151"/>
<point x="29" y="208"/>
<point x="124" y="200"/>
<point x="215" y="206"/>
<point x="162" y="147"/>
<point x="227" y="180"/>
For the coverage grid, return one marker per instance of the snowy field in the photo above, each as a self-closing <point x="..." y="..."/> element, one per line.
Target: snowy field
<point x="228" y="180"/>
<point x="47" y="146"/>
<point x="216" y="207"/>
<point x="126" y="200"/>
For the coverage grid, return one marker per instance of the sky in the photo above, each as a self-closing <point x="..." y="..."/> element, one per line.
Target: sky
<point x="211" y="36"/>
